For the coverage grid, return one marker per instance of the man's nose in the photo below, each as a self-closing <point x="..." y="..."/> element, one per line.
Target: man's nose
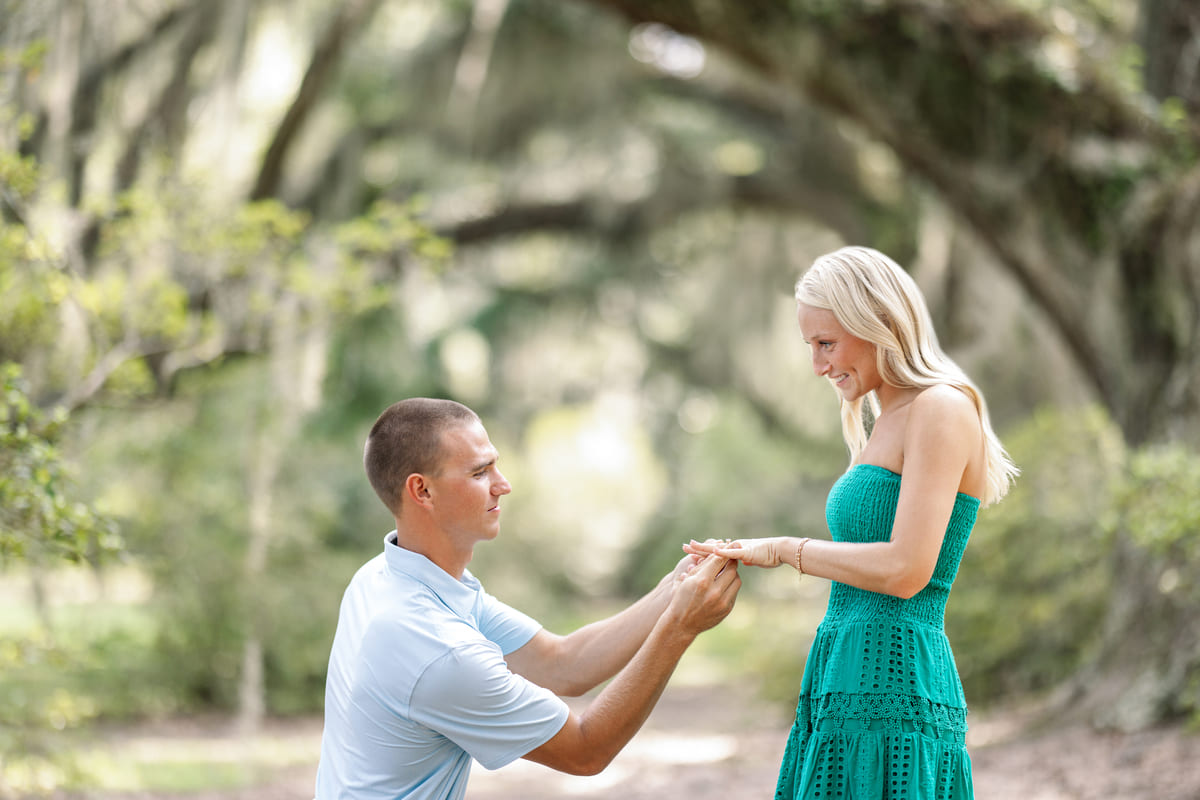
<point x="501" y="486"/>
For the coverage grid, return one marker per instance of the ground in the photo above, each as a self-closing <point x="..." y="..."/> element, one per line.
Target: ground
<point x="717" y="744"/>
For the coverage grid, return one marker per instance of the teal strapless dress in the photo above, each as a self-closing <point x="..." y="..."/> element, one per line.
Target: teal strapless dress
<point x="881" y="711"/>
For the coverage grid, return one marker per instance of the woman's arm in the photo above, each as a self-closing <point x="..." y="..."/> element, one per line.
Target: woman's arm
<point x="941" y="437"/>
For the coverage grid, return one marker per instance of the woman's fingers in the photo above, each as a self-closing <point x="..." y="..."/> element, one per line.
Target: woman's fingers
<point x="752" y="552"/>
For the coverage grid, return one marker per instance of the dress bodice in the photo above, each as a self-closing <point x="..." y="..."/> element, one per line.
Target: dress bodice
<point x="861" y="508"/>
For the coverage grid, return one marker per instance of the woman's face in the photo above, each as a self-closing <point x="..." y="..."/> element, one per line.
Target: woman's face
<point x="848" y="362"/>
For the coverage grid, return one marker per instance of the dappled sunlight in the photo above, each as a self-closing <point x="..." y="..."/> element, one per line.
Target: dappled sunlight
<point x="275" y="66"/>
<point x="594" y="478"/>
<point x="558" y="360"/>
<point x="464" y="355"/>
<point x="241" y="114"/>
<point x="187" y="755"/>
<point x="407" y="25"/>
<point x="712" y="736"/>
<point x="651" y="750"/>
<point x="71" y="586"/>
<point x="698" y="412"/>
<point x="535" y="263"/>
<point x="739" y="157"/>
<point x="673" y="53"/>
<point x="433" y="304"/>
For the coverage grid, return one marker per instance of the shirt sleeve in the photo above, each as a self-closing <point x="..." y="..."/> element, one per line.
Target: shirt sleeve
<point x="471" y="697"/>
<point x="508" y="628"/>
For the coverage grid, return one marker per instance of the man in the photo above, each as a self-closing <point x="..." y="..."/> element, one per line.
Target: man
<point x="428" y="671"/>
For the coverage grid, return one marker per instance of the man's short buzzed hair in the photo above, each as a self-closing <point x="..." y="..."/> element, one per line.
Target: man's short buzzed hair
<point x="406" y="439"/>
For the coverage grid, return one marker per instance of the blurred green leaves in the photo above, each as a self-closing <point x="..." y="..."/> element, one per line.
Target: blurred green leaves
<point x="1159" y="504"/>
<point x="1046" y="565"/>
<point x="1035" y="581"/>
<point x="40" y="517"/>
<point x="1157" y="507"/>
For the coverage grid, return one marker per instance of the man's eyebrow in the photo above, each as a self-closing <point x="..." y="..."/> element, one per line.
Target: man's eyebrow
<point x="484" y="464"/>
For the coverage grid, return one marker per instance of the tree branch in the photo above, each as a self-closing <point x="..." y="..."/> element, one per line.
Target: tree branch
<point x="1026" y="141"/>
<point x="86" y="98"/>
<point x="351" y="17"/>
<point x="169" y="110"/>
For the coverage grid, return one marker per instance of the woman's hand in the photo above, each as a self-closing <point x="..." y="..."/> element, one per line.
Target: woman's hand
<point x="769" y="552"/>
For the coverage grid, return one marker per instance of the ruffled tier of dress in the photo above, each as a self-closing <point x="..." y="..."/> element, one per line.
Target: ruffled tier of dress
<point x="881" y="715"/>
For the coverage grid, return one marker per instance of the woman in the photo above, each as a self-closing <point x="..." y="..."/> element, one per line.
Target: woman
<point x="881" y="710"/>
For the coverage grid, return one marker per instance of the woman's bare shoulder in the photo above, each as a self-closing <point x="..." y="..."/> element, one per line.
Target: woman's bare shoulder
<point x="945" y="398"/>
<point x="945" y="408"/>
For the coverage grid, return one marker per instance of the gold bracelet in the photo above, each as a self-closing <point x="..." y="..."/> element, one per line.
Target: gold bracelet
<point x="800" y="550"/>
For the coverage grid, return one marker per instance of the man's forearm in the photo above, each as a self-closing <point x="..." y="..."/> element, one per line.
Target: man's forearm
<point x="589" y="742"/>
<point x="601" y="649"/>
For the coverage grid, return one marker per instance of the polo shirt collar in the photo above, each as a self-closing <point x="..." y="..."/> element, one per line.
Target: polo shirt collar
<point x="458" y="595"/>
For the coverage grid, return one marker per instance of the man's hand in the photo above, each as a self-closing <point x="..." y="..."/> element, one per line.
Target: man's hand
<point x="705" y="595"/>
<point x="686" y="564"/>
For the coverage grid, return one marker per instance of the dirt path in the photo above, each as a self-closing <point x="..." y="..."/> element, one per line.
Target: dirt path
<point x="702" y="744"/>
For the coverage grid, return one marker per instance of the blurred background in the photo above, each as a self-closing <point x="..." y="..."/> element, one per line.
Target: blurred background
<point x="233" y="231"/>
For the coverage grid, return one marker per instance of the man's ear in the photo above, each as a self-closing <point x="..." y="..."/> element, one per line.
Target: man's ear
<point x="418" y="490"/>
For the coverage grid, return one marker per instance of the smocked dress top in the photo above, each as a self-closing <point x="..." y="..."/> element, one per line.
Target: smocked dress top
<point x="881" y="712"/>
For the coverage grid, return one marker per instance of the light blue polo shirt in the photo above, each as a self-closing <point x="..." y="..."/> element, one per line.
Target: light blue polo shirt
<point x="418" y="687"/>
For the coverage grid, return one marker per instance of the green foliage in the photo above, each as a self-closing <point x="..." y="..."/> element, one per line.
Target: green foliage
<point x="1159" y="504"/>
<point x="18" y="174"/>
<point x="1157" y="507"/>
<point x="187" y="524"/>
<point x="96" y="663"/>
<point x="389" y="227"/>
<point x="300" y="611"/>
<point x="29" y="56"/>
<point x="178" y="275"/>
<point x="39" y="519"/>
<point x="1035" y="580"/>
<point x="32" y="287"/>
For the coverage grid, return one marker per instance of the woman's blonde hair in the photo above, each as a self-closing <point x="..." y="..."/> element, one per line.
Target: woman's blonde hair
<point x="877" y="301"/>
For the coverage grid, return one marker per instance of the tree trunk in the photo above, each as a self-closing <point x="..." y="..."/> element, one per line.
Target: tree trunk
<point x="1170" y="37"/>
<point x="472" y="68"/>
<point x="297" y="358"/>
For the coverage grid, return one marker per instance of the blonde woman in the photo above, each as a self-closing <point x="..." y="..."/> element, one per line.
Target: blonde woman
<point x="881" y="711"/>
